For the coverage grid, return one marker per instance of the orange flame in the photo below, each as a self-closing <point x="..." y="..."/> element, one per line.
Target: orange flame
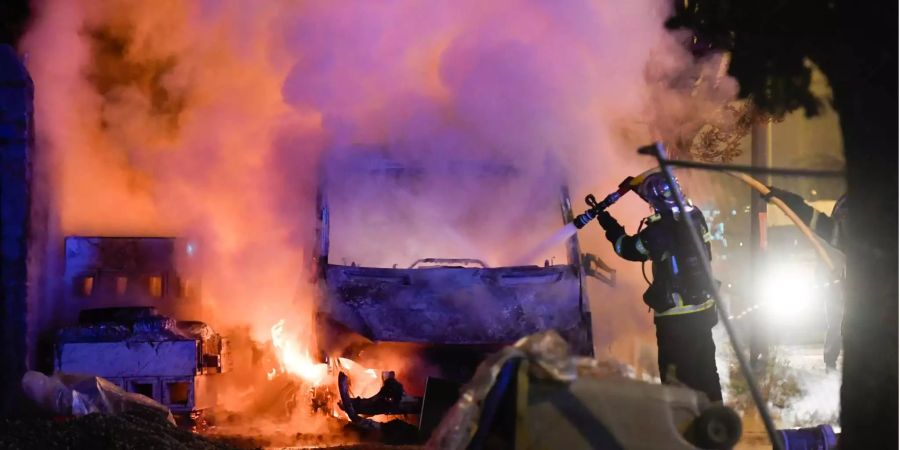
<point x="294" y="359"/>
<point x="364" y="381"/>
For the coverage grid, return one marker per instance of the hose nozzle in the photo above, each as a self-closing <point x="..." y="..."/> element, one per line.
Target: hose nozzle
<point x="584" y="218"/>
<point x="597" y="207"/>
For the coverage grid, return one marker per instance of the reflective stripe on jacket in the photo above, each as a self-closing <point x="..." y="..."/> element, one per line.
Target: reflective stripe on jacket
<point x="680" y="308"/>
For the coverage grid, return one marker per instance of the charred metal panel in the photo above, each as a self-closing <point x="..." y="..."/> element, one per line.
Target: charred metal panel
<point x="128" y="359"/>
<point x="204" y="391"/>
<point x="444" y="306"/>
<point x="178" y="392"/>
<point x="449" y="305"/>
<point x="322" y="235"/>
<point x="176" y="363"/>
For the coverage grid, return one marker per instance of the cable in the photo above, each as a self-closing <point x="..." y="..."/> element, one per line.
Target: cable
<point x="658" y="151"/>
<point x="644" y="262"/>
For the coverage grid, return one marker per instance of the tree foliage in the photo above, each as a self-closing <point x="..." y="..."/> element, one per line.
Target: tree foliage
<point x="773" y="45"/>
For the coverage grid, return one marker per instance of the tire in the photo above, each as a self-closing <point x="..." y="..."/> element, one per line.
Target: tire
<point x="718" y="427"/>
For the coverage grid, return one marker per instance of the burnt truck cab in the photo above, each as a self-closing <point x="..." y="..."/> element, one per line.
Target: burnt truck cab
<point x="447" y="310"/>
<point x="119" y="319"/>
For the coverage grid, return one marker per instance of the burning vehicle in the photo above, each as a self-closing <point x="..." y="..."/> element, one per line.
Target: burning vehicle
<point x="437" y="315"/>
<point x="118" y="288"/>
<point x="173" y="362"/>
<point x="457" y="290"/>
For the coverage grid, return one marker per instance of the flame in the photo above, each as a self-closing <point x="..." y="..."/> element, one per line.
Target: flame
<point x="363" y="381"/>
<point x="294" y="359"/>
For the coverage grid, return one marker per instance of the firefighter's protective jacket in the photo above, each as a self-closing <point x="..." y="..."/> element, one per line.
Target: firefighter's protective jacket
<point x="679" y="284"/>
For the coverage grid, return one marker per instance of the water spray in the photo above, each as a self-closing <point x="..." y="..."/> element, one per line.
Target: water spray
<point x="628" y="184"/>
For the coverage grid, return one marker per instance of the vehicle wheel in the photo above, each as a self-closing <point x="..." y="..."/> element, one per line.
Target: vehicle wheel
<point x="718" y="427"/>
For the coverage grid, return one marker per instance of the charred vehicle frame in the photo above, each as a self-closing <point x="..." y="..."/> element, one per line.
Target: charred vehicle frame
<point x="425" y="304"/>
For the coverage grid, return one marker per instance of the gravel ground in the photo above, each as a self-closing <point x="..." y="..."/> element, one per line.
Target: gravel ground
<point x="136" y="431"/>
<point x="131" y="430"/>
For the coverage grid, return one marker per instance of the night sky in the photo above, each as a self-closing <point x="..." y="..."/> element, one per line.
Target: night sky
<point x="14" y="15"/>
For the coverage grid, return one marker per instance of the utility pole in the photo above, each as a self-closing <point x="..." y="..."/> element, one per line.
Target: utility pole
<point x="761" y="156"/>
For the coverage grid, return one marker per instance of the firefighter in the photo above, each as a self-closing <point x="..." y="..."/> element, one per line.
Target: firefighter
<point x="833" y="230"/>
<point x="830" y="228"/>
<point x="679" y="295"/>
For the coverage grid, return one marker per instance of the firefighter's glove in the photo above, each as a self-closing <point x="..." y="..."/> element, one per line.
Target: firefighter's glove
<point x="606" y="220"/>
<point x="786" y="196"/>
<point x="612" y="227"/>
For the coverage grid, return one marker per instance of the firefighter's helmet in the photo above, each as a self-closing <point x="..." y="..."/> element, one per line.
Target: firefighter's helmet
<point x="655" y="190"/>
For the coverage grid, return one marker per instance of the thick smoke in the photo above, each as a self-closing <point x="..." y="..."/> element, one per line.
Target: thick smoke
<point x="209" y="119"/>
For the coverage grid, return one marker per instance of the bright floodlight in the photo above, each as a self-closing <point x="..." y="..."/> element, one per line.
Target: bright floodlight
<point x="789" y="292"/>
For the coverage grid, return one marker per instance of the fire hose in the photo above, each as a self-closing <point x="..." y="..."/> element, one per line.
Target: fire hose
<point x="631" y="183"/>
<point x="764" y="190"/>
